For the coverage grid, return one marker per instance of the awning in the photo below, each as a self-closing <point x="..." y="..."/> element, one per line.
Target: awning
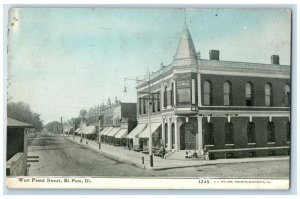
<point x="137" y="130"/>
<point x="89" y="130"/>
<point x="113" y="132"/>
<point x="77" y="130"/>
<point x="121" y="133"/>
<point x="145" y="133"/>
<point x="107" y="131"/>
<point x="103" y="130"/>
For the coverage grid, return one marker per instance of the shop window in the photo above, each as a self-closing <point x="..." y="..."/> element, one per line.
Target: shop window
<point x="251" y="132"/>
<point x="172" y="94"/>
<point x="207" y="93"/>
<point x="227" y="93"/>
<point x="287" y="95"/>
<point x="249" y="94"/>
<point x="209" y="134"/>
<point x="270" y="132"/>
<point x="165" y="97"/>
<point x="268" y="95"/>
<point x="229" y="136"/>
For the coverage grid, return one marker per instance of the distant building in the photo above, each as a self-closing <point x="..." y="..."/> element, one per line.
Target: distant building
<point x="117" y="120"/>
<point x="16" y="154"/>
<point x="201" y="104"/>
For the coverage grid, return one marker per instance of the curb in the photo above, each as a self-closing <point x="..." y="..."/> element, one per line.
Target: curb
<point x="143" y="166"/>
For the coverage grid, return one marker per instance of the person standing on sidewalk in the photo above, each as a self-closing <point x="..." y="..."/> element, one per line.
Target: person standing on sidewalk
<point x="163" y="152"/>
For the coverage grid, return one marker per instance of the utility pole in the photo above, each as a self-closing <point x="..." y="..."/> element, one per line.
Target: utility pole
<point x="149" y="98"/>
<point x="149" y="122"/>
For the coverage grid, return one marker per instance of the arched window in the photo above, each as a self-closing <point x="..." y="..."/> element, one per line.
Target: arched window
<point x="172" y="94"/>
<point x="268" y="94"/>
<point x="251" y="132"/>
<point x="270" y="132"/>
<point x="166" y="135"/>
<point x="229" y="134"/>
<point x="207" y="93"/>
<point x="209" y="134"/>
<point x="165" y="97"/>
<point x="288" y="131"/>
<point x="287" y="95"/>
<point x="249" y="94"/>
<point x="227" y="93"/>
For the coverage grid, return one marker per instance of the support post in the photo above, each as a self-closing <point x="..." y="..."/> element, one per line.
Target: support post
<point x="176" y="134"/>
<point x="200" y="136"/>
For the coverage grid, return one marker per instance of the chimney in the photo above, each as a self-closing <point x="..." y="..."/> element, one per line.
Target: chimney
<point x="275" y="59"/>
<point x="214" y="55"/>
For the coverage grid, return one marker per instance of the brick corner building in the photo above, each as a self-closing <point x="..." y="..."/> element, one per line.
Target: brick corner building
<point x="232" y="109"/>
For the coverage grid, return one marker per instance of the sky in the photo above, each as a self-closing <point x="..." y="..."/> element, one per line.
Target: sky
<point x="62" y="60"/>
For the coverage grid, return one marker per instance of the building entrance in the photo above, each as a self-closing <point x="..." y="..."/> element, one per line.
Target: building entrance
<point x="187" y="137"/>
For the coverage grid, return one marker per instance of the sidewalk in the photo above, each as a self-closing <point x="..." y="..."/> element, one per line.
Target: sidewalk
<point x="135" y="158"/>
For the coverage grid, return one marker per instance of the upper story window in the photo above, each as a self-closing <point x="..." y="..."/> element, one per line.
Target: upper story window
<point x="172" y="94"/>
<point x="140" y="106"/>
<point x="287" y="95"/>
<point x="153" y="102"/>
<point x="207" y="93"/>
<point x="144" y="106"/>
<point x="165" y="97"/>
<point x="268" y="94"/>
<point x="227" y="93"/>
<point x="249" y="94"/>
<point x="158" y="101"/>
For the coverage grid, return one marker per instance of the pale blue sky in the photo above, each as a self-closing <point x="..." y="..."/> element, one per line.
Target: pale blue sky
<point x="62" y="60"/>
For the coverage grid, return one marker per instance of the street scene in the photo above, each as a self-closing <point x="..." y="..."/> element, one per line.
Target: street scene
<point x="60" y="156"/>
<point x="149" y="93"/>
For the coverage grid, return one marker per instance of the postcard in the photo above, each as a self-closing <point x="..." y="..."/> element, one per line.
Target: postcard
<point x="148" y="98"/>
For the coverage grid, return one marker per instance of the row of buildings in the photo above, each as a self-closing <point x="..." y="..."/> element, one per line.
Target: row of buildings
<point x="228" y="108"/>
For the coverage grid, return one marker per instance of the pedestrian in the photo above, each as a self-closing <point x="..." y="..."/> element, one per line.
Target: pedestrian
<point x="163" y="152"/>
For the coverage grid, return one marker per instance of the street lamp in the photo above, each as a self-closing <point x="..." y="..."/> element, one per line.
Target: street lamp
<point x="149" y="111"/>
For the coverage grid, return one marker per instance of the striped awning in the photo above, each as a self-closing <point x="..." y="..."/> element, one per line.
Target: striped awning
<point x="121" y="133"/>
<point x="145" y="133"/>
<point x="89" y="130"/>
<point x="107" y="131"/>
<point x="137" y="130"/>
<point x="113" y="132"/>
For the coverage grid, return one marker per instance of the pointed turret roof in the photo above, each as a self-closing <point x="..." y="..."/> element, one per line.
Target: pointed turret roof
<point x="186" y="48"/>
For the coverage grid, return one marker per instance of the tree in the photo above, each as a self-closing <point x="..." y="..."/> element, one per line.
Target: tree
<point x="83" y="113"/>
<point x="22" y="112"/>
